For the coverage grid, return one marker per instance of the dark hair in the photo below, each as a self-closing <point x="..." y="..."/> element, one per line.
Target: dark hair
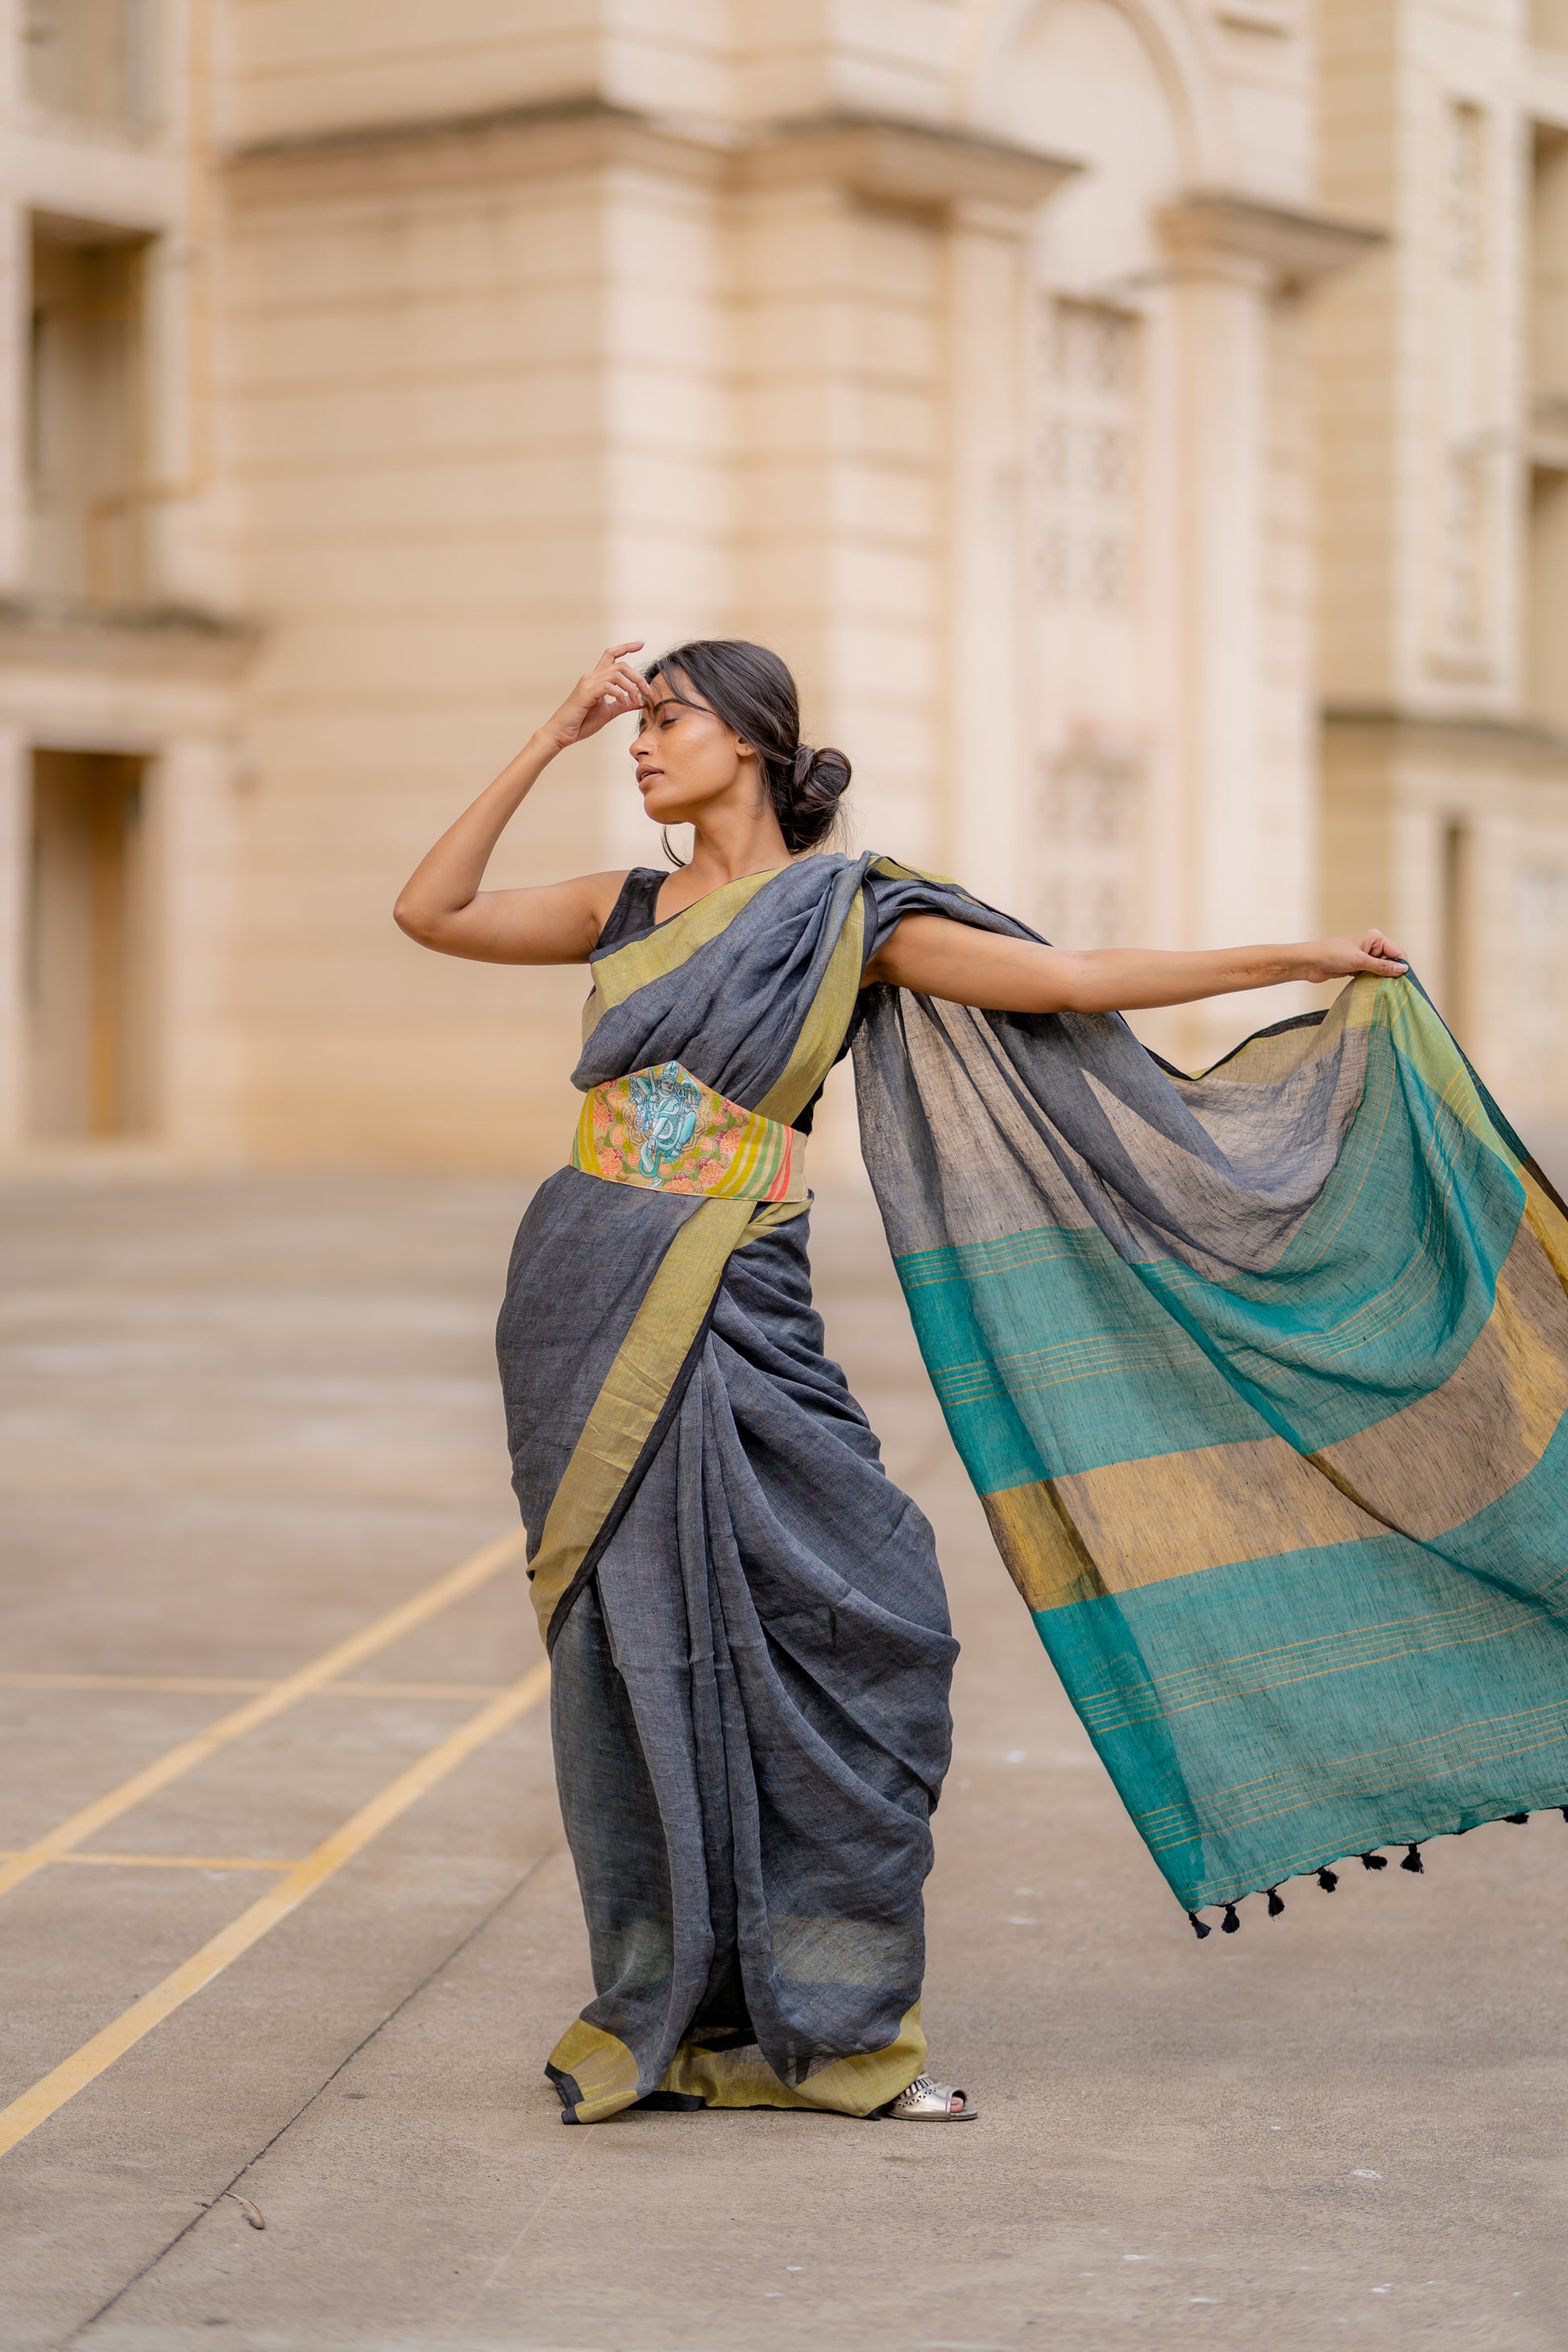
<point x="751" y="690"/>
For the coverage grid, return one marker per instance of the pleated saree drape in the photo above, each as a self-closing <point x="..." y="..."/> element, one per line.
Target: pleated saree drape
<point x="748" y="1634"/>
<point x="1260" y="1376"/>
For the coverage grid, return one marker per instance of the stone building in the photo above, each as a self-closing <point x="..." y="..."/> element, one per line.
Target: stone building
<point x="1143" y="423"/>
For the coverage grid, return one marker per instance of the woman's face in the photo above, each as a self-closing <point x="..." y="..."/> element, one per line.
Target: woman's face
<point x="687" y="758"/>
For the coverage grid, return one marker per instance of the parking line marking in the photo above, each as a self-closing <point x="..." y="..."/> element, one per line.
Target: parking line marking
<point x="52" y="2091"/>
<point x="203" y="1685"/>
<point x="307" y="1680"/>
<point x="175" y="1860"/>
<point x="240" y="1686"/>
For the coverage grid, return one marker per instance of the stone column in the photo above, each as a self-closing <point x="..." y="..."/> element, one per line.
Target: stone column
<point x="1239" y="860"/>
<point x="889" y="257"/>
<point x="987" y="324"/>
<point x="15" y="821"/>
<point x="880" y="287"/>
<point x="16" y="335"/>
<point x="195" y="1077"/>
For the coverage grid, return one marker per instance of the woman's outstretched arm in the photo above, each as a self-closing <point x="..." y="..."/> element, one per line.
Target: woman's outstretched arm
<point x="442" y="906"/>
<point x="937" y="957"/>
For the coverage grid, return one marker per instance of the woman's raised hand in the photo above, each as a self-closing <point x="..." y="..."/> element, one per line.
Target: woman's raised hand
<point x="607" y="691"/>
<point x="442" y="904"/>
<point x="1341" y="959"/>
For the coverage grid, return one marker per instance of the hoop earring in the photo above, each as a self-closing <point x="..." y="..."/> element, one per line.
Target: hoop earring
<point x="664" y="835"/>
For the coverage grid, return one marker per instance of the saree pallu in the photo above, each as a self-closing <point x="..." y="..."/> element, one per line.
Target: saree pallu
<point x="748" y="1634"/>
<point x="1262" y="1378"/>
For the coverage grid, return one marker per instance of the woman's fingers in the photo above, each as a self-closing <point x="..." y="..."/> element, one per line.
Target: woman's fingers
<point x="614" y="682"/>
<point x="1342" y="959"/>
<point x="609" y="691"/>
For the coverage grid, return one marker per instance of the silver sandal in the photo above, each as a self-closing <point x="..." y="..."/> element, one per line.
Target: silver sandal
<point x="928" y="2102"/>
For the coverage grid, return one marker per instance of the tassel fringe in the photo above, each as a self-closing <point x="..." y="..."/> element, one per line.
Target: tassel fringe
<point x="1329" y="1878"/>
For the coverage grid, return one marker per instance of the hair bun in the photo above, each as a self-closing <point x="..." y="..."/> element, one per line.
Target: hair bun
<point x="823" y="774"/>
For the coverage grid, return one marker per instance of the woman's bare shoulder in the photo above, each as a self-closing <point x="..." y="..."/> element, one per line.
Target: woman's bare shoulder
<point x="600" y="891"/>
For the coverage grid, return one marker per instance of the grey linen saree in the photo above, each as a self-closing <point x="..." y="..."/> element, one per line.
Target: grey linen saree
<point x="1262" y="1379"/>
<point x="749" y="1639"/>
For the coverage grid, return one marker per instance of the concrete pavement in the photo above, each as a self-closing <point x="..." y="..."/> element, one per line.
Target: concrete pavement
<point x="241" y="1421"/>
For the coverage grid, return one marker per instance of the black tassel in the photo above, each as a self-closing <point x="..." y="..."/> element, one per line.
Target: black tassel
<point x="1374" y="1862"/>
<point x="1563" y="1811"/>
<point x="1200" y="1926"/>
<point x="1413" y="1859"/>
<point x="1275" y="1903"/>
<point x="1327" y="1879"/>
<point x="1230" y="1922"/>
<point x="1516" y="1817"/>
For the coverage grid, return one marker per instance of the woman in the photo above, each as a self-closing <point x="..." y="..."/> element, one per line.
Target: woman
<point x="750" y="1644"/>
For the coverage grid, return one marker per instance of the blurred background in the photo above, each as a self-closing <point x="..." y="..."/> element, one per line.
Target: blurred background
<point x="1143" y="423"/>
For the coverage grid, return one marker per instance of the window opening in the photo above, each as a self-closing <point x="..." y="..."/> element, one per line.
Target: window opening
<point x="1546" y="516"/>
<point x="92" y="58"/>
<point x="87" y="947"/>
<point x="1084" y="537"/>
<point x="1463" y="610"/>
<point x="86" y="422"/>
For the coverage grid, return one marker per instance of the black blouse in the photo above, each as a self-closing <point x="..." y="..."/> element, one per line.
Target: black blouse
<point x="633" y="917"/>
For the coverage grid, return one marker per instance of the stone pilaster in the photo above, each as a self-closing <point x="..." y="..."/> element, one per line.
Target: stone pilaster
<point x="1244" y="828"/>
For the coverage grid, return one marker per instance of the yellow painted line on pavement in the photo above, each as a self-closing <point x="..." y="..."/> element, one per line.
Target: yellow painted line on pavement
<point x="239" y="1686"/>
<point x="204" y="1686"/>
<point x="412" y="1690"/>
<point x="305" y="1683"/>
<point x="173" y="1861"/>
<point x="85" y="2065"/>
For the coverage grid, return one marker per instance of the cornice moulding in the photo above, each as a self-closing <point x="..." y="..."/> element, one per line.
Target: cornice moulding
<point x="177" y="639"/>
<point x="1210" y="229"/>
<point x="880" y="157"/>
<point x="904" y="162"/>
<point x="1461" y="734"/>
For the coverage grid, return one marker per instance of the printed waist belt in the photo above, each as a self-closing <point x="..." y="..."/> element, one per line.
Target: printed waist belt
<point x="664" y="1130"/>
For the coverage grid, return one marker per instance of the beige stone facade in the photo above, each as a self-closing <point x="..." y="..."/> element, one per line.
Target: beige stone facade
<point x="1143" y="424"/>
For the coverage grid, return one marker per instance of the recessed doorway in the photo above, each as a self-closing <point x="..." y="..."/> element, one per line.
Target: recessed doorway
<point x="88" y="947"/>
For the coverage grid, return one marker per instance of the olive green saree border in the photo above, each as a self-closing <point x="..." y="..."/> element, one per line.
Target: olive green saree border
<point x="673" y="943"/>
<point x="595" y="2075"/>
<point x="630" y="1412"/>
<point x="645" y="1383"/>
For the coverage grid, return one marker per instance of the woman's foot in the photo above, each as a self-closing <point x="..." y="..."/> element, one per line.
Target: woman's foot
<point x="928" y="2102"/>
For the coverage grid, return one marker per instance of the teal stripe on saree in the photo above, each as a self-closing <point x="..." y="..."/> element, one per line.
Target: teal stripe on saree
<point x="1382" y="1291"/>
<point x="1262" y="1378"/>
